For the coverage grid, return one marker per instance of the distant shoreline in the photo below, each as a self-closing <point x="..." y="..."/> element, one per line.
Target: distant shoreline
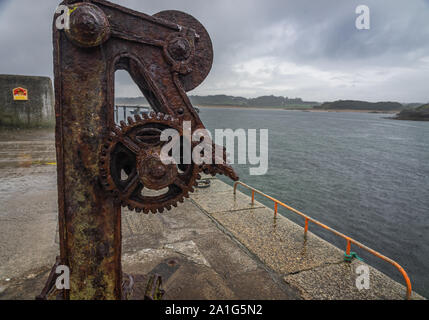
<point x="303" y="109"/>
<point x="253" y="108"/>
<point x="296" y="108"/>
<point x="359" y="111"/>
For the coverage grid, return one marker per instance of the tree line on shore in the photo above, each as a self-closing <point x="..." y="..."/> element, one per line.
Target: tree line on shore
<point x="420" y="113"/>
<point x="410" y="110"/>
<point x="361" y="105"/>
<point x="225" y="100"/>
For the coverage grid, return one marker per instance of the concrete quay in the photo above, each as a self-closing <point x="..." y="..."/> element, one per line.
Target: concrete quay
<point x="312" y="266"/>
<point x="214" y="246"/>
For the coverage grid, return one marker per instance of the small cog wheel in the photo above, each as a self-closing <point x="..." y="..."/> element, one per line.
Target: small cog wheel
<point x="133" y="172"/>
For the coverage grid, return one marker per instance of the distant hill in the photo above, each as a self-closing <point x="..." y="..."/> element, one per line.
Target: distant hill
<point x="418" y="114"/>
<point x="218" y="100"/>
<point x="224" y="100"/>
<point x="273" y="101"/>
<point x="413" y="105"/>
<point x="360" y="105"/>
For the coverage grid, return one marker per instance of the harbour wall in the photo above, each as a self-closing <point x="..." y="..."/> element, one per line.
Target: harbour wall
<point x="35" y="108"/>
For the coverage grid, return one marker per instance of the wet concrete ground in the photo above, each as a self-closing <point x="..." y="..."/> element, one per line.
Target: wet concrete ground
<point x="207" y="263"/>
<point x="214" y="246"/>
<point x="196" y="259"/>
<point x="311" y="265"/>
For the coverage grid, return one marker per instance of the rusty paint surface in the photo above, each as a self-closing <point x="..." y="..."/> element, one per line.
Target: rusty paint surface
<point x="166" y="54"/>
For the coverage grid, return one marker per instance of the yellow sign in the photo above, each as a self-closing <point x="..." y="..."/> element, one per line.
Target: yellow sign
<point x="20" y="94"/>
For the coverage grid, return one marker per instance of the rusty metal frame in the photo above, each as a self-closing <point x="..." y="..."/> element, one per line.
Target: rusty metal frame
<point x="166" y="55"/>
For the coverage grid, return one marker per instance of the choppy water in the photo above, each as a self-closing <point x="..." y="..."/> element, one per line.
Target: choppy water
<point x="362" y="174"/>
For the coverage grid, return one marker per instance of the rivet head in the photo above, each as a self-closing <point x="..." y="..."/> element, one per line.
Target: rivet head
<point x="158" y="171"/>
<point x="89" y="26"/>
<point x="179" y="49"/>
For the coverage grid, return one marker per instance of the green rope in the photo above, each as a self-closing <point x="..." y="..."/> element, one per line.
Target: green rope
<point x="351" y="256"/>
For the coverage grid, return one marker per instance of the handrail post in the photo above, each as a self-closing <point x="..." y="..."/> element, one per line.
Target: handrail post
<point x="349" y="240"/>
<point x="349" y="244"/>
<point x="235" y="187"/>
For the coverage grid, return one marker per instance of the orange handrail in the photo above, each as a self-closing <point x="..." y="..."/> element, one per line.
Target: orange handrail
<point x="349" y="240"/>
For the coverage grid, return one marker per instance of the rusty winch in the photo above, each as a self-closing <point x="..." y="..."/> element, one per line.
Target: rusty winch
<point x="103" y="166"/>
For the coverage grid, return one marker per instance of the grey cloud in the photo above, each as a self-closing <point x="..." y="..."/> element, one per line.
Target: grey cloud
<point x="301" y="48"/>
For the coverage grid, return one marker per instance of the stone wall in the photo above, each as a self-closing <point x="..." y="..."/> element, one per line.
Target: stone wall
<point x="37" y="111"/>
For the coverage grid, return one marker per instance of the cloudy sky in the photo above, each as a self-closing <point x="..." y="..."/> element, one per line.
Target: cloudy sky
<point x="295" y="48"/>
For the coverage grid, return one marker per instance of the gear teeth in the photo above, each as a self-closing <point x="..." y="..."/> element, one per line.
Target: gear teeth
<point x="116" y="133"/>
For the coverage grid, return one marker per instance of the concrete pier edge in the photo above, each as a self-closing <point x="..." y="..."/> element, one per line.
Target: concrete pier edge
<point x="225" y="247"/>
<point x="325" y="280"/>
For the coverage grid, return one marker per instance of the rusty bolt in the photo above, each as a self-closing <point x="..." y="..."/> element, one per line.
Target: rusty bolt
<point x="158" y="171"/>
<point x="89" y="26"/>
<point x="179" y="49"/>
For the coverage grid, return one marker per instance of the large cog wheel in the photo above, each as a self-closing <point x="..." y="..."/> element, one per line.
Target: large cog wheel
<point x="132" y="170"/>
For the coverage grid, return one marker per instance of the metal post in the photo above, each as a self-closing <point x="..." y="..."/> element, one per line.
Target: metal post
<point x="349" y="244"/>
<point x="102" y="38"/>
